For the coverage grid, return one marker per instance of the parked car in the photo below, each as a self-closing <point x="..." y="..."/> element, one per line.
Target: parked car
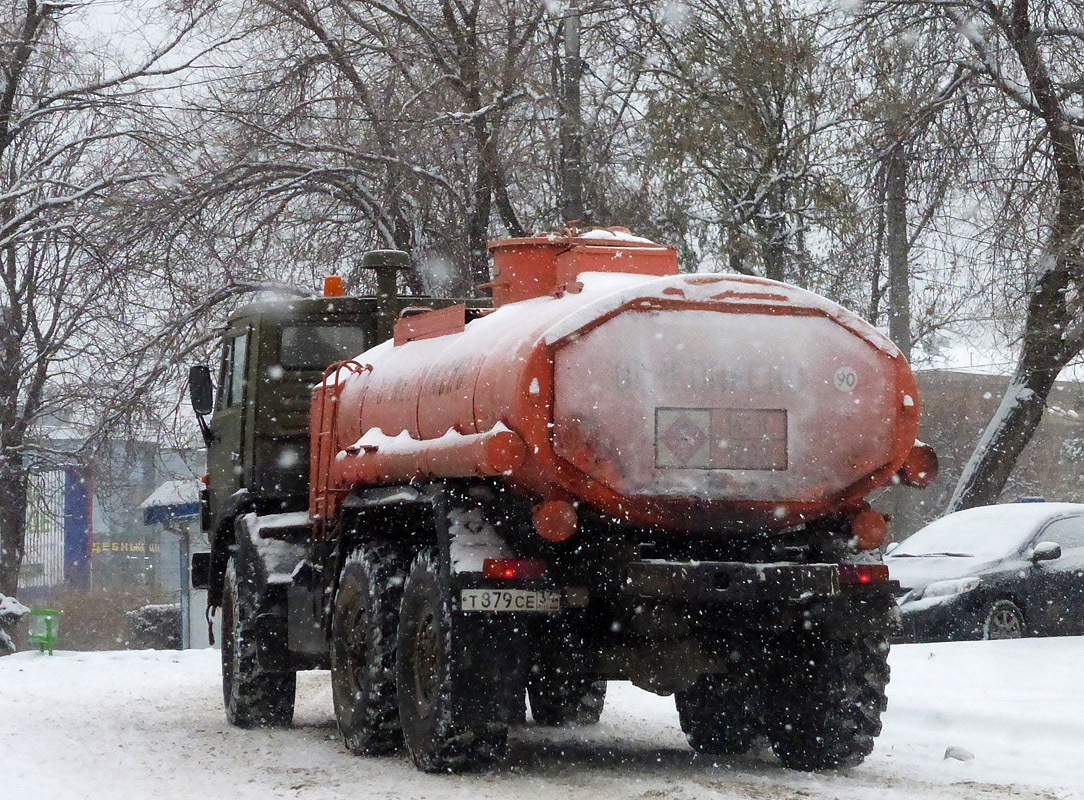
<point x="993" y="572"/>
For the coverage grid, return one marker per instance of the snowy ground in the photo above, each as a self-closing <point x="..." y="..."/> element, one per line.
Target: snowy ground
<point x="135" y="725"/>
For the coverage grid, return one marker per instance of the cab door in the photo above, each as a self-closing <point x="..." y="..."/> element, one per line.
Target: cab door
<point x="225" y="453"/>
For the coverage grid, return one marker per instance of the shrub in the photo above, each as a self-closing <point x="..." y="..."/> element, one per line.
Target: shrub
<point x="11" y="612"/>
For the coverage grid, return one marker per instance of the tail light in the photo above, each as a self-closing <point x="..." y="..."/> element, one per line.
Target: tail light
<point x="512" y="568"/>
<point x="857" y="574"/>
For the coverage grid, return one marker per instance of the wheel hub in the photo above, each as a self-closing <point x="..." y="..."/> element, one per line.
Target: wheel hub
<point x="425" y="666"/>
<point x="1004" y="624"/>
<point x="355" y="652"/>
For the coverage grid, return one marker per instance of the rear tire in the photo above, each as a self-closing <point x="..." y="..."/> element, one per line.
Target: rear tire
<point x="364" y="628"/>
<point x="424" y="681"/>
<point x="826" y="713"/>
<point x="253" y="697"/>
<point x="559" y="699"/>
<point x="716" y="717"/>
<point x="1004" y="620"/>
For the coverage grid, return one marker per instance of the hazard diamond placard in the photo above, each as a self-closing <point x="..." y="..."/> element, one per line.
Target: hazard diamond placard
<point x="683" y="438"/>
<point x="721" y="438"/>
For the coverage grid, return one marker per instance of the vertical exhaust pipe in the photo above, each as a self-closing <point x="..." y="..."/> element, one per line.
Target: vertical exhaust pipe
<point x="386" y="263"/>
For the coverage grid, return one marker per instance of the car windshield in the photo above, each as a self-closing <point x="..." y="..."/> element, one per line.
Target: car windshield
<point x="317" y="346"/>
<point x="988" y="532"/>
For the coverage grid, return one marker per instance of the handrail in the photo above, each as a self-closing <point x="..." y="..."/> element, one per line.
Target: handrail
<point x="321" y="480"/>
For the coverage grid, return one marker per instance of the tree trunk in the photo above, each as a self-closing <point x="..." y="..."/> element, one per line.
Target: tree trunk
<point x="773" y="248"/>
<point x="1048" y="344"/>
<point x="989" y="468"/>
<point x="1044" y="354"/>
<point x="570" y="123"/>
<point x="478" y="233"/>
<point x="899" y="287"/>
<point x="13" y="499"/>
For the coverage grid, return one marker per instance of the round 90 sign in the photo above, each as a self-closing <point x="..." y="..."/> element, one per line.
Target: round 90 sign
<point x="846" y="379"/>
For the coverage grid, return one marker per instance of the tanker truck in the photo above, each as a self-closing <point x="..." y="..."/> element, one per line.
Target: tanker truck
<point x="614" y="471"/>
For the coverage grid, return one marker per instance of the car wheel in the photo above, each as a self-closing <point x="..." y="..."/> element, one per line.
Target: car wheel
<point x="1004" y="620"/>
<point x="824" y="710"/>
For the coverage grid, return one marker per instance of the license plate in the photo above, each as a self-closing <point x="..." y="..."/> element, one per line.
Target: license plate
<point x="509" y="600"/>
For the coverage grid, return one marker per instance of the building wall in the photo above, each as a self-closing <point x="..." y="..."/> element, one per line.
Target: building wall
<point x="85" y="529"/>
<point x="956" y="407"/>
<point x="127" y="554"/>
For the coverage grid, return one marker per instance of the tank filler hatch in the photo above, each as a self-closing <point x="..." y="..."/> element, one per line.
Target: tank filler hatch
<point x="548" y="265"/>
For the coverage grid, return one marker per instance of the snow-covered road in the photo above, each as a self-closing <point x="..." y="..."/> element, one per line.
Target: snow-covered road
<point x="135" y="725"/>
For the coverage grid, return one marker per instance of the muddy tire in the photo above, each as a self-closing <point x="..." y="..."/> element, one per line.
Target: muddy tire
<point x="1004" y="620"/>
<point x="826" y="711"/>
<point x="558" y="699"/>
<point x="716" y="717"/>
<point x="364" y="629"/>
<point x="253" y="697"/>
<point x="424" y="681"/>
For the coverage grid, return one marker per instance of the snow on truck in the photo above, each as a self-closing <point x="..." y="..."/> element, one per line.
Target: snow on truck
<point x="616" y="472"/>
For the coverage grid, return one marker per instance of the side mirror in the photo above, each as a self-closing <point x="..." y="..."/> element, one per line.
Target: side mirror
<point x="201" y="571"/>
<point x="891" y="546"/>
<point x="1046" y="551"/>
<point x="201" y="390"/>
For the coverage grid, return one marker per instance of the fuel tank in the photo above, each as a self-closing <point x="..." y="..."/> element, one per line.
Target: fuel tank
<point x="605" y="379"/>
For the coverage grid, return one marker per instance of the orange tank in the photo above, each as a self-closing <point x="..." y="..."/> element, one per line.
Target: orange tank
<point x="603" y="380"/>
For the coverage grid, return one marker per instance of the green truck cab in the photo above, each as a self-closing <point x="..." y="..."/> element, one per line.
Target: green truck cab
<point x="255" y="416"/>
<point x="258" y="434"/>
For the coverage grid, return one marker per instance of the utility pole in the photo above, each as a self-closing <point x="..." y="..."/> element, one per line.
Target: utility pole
<point x="571" y="122"/>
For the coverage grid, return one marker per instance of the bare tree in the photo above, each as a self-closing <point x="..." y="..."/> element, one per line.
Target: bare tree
<point x="1022" y="57"/>
<point x="73" y="151"/>
<point x="742" y="99"/>
<point x="377" y="123"/>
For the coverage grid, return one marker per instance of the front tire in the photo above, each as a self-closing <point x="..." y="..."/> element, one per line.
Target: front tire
<point x="1004" y="620"/>
<point x="716" y="717"/>
<point x="424" y="681"/>
<point x="253" y="697"/>
<point x="364" y="628"/>
<point x="826" y="711"/>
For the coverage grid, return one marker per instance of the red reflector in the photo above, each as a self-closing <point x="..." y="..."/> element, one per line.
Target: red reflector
<point x="511" y="568"/>
<point x="850" y="574"/>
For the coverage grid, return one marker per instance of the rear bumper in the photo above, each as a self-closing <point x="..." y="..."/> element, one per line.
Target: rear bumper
<point x="708" y="582"/>
<point x="762" y="598"/>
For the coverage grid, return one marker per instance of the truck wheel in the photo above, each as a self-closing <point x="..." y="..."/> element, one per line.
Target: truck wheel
<point x="424" y="681"/>
<point x="363" y="640"/>
<point x="558" y="699"/>
<point x="826" y="711"/>
<point x="253" y="697"/>
<point x="717" y="718"/>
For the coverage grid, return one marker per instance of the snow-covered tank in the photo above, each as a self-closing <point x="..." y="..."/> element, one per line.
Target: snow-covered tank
<point x="605" y="380"/>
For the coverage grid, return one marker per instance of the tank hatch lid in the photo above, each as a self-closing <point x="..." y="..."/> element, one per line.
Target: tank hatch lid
<point x="545" y="265"/>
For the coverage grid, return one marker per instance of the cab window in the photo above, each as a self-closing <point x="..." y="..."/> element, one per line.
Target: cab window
<point x="231" y="384"/>
<point x="317" y="346"/>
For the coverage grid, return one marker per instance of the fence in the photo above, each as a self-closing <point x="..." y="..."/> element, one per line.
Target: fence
<point x="43" y="563"/>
